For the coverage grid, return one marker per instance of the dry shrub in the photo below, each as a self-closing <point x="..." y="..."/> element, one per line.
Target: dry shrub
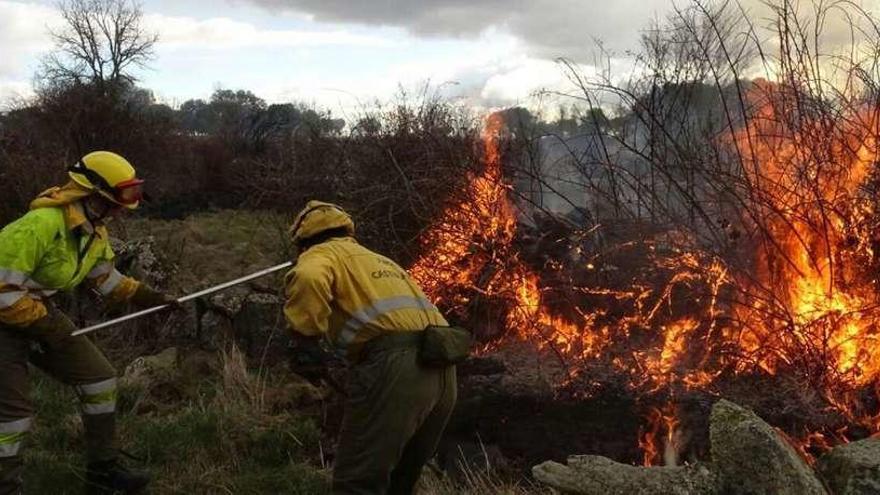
<point x="239" y="385"/>
<point x="394" y="170"/>
<point x="476" y="482"/>
<point x="393" y="166"/>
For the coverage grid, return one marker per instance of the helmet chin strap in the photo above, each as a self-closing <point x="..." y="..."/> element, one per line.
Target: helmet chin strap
<point x="96" y="217"/>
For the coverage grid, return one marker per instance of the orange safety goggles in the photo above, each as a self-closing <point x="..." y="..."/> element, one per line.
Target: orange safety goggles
<point x="129" y="192"/>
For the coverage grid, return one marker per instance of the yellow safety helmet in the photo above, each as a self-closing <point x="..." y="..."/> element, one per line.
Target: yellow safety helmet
<point x="110" y="175"/>
<point x="318" y="217"/>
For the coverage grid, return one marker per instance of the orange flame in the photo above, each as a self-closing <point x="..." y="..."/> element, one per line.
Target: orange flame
<point x="664" y="419"/>
<point x="803" y="296"/>
<point x="471" y="247"/>
<point x="469" y="256"/>
<point x="818" y="306"/>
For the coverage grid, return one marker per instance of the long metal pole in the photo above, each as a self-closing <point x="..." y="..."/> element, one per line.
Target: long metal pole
<point x="211" y="290"/>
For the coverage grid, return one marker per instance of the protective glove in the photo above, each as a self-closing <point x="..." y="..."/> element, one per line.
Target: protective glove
<point x="148" y="297"/>
<point x="308" y="358"/>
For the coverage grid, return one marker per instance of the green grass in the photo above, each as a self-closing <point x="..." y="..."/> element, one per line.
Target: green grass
<point x="53" y="455"/>
<point x="214" y="247"/>
<point x="216" y="443"/>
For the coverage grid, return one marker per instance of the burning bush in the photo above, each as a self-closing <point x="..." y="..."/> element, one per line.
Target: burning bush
<point x="727" y="240"/>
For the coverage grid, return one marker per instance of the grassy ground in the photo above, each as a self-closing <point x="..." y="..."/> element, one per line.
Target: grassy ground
<point x="213" y="435"/>
<point x="218" y="438"/>
<point x="213" y="426"/>
<point x="215" y="246"/>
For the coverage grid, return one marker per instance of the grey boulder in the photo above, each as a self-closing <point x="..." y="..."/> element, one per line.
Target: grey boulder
<point x="753" y="459"/>
<point x="596" y="475"/>
<point x="853" y="468"/>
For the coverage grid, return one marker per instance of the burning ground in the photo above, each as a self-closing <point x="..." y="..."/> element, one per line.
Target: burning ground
<point x="638" y="327"/>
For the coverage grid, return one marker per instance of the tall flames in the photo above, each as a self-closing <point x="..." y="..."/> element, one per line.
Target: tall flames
<point x="473" y="255"/>
<point x="818" y="286"/>
<point x="820" y="315"/>
<point x="692" y="318"/>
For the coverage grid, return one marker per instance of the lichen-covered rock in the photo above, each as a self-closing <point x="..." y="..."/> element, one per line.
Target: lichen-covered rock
<point x="252" y="320"/>
<point x="752" y="459"/>
<point x="596" y="475"/>
<point x="138" y="258"/>
<point x="854" y="468"/>
<point x="147" y="370"/>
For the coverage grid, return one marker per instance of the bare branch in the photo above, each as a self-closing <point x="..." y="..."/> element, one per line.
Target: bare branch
<point x="100" y="42"/>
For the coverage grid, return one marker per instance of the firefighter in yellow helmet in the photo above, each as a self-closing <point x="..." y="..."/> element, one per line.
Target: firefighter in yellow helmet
<point x="371" y="311"/>
<point x="59" y="244"/>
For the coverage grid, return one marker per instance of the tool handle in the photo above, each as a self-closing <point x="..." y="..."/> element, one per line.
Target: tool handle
<point x="202" y="293"/>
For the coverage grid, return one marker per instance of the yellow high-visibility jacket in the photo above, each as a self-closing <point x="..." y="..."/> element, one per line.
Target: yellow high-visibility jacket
<point x="54" y="247"/>
<point x="349" y="294"/>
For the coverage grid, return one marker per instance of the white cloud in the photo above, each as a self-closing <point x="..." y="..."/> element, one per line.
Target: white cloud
<point x="493" y="72"/>
<point x="491" y="53"/>
<point x="522" y="78"/>
<point x="223" y="33"/>
<point x="23" y="34"/>
<point x="12" y="92"/>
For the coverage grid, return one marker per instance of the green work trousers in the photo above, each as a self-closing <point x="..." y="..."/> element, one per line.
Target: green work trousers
<point x="395" y="414"/>
<point x="75" y="361"/>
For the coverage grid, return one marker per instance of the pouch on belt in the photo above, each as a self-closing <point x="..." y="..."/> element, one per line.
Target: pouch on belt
<point x="444" y="346"/>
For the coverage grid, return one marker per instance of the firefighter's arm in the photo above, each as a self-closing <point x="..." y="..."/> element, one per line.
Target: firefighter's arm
<point x="113" y="286"/>
<point x="309" y="294"/>
<point x="21" y="248"/>
<point x="16" y="308"/>
<point x="117" y="288"/>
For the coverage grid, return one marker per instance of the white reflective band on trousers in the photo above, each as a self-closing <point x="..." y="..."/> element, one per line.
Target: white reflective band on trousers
<point x="98" y="398"/>
<point x="11" y="436"/>
<point x="369" y="314"/>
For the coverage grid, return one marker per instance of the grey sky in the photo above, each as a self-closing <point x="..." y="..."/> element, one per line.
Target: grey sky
<point x="342" y="53"/>
<point x="550" y="28"/>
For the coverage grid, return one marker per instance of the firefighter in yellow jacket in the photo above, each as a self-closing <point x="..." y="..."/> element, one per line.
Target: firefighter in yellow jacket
<point x="370" y="310"/>
<point x="59" y="244"/>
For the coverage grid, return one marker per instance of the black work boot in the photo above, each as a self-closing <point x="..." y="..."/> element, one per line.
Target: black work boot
<point x="111" y="477"/>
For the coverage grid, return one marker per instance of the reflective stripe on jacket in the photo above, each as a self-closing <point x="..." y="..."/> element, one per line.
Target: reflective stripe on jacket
<point x="350" y="294"/>
<point x="42" y="253"/>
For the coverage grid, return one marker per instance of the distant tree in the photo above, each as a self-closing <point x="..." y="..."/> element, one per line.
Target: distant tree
<point x="567" y="123"/>
<point x="137" y="98"/>
<point x="249" y="123"/>
<point x="194" y="116"/>
<point x="368" y="125"/>
<point x="595" y="119"/>
<point x="241" y="99"/>
<point x="322" y="122"/>
<point x="276" y="121"/>
<point x="283" y="115"/>
<point x="100" y="42"/>
<point x="234" y="112"/>
<point x="521" y="121"/>
<point x="161" y="111"/>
